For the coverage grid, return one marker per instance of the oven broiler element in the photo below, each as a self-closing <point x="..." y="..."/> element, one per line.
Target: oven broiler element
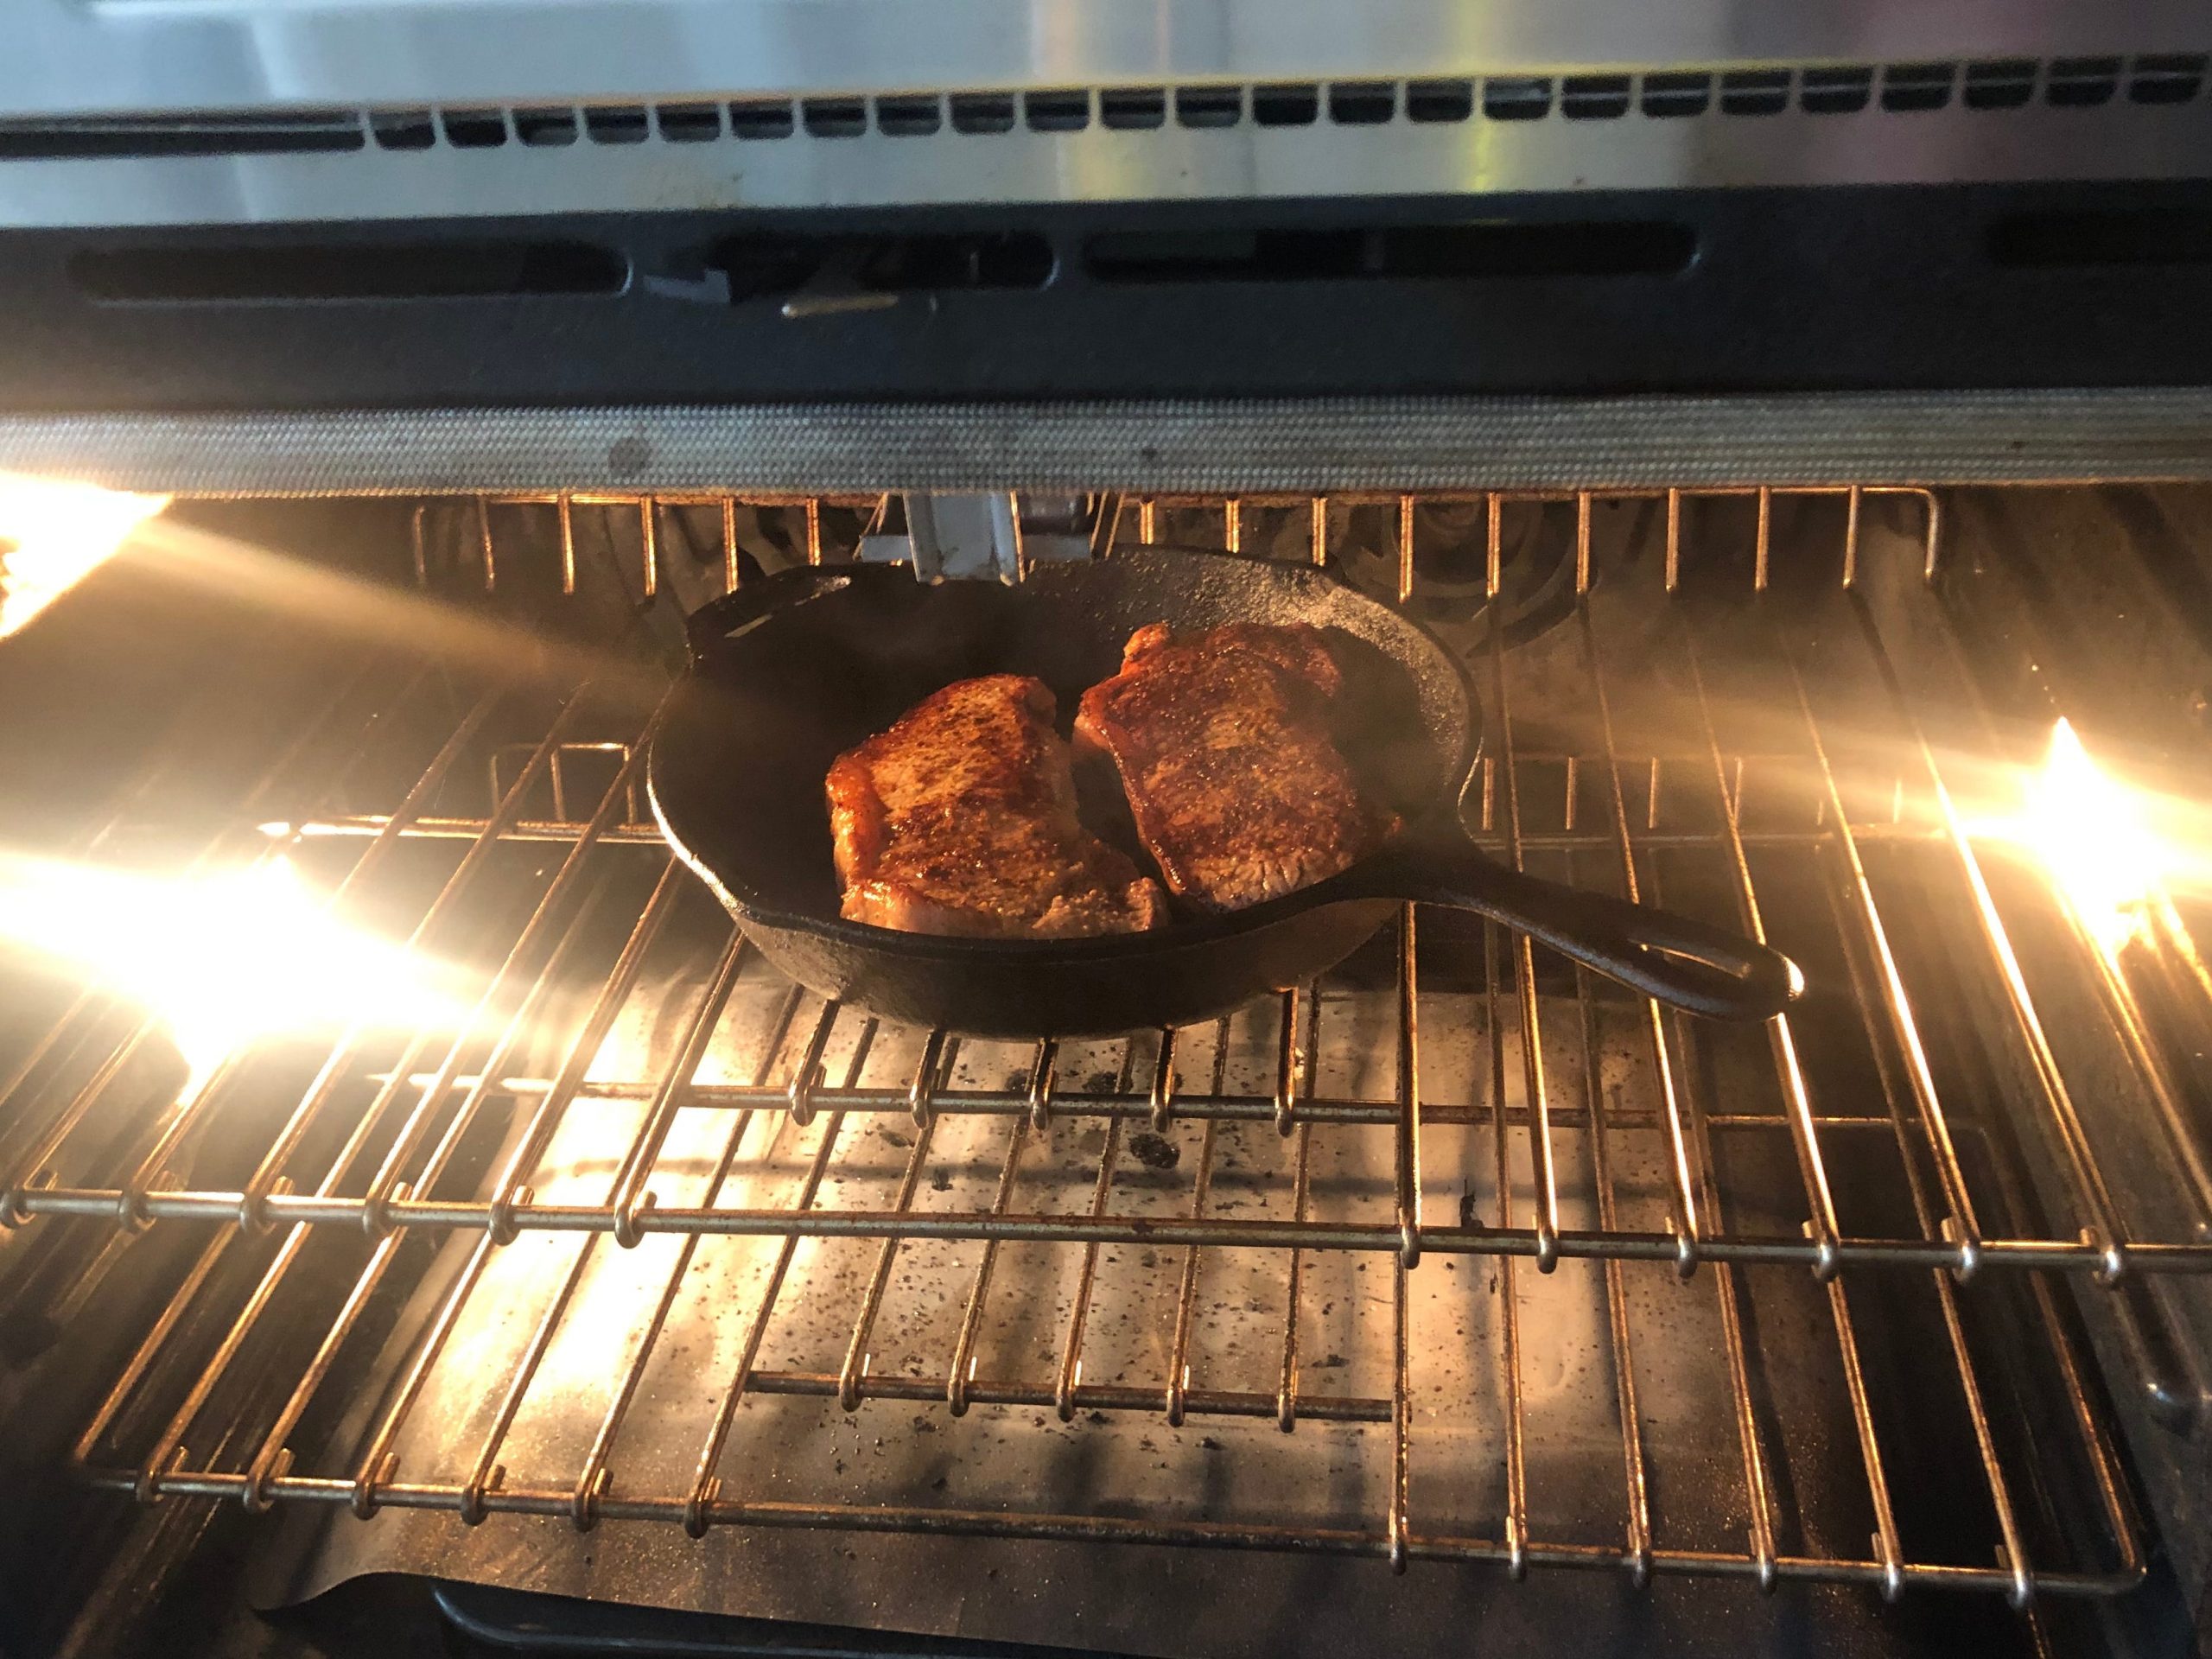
<point x="1457" y="1256"/>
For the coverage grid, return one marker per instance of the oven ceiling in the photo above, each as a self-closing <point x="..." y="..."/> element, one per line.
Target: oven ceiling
<point x="170" y="111"/>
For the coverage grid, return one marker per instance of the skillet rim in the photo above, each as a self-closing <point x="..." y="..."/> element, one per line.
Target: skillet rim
<point x="1194" y="931"/>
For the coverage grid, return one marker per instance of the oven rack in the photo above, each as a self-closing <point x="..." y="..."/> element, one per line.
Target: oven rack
<point x="249" y="1299"/>
<point x="1483" y="1059"/>
<point x="598" y="1486"/>
<point x="524" y="1339"/>
<point x="1649" y="809"/>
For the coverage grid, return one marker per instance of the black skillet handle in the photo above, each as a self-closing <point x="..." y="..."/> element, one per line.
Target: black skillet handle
<point x="739" y="608"/>
<point x="1691" y="964"/>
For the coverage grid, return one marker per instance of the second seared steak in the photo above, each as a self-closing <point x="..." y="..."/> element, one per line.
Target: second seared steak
<point x="1223" y="742"/>
<point x="961" y="819"/>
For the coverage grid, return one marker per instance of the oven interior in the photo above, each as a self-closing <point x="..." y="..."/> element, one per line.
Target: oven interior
<point x="408" y="1169"/>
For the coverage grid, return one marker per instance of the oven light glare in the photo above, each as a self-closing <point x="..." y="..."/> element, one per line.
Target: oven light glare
<point x="224" y="959"/>
<point x="2090" y="832"/>
<point x="53" y="534"/>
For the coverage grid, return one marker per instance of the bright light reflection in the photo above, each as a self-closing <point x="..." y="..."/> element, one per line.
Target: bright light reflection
<point x="224" y="958"/>
<point x="2091" y="832"/>
<point x="53" y="534"/>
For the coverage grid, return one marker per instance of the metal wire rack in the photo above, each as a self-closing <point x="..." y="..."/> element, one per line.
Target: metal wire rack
<point x="1453" y="1098"/>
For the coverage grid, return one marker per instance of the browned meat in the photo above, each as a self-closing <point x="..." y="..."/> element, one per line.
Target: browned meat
<point x="1224" y="747"/>
<point x="961" y="819"/>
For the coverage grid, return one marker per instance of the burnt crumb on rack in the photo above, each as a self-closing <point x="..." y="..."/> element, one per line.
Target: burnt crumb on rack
<point x="1155" y="1151"/>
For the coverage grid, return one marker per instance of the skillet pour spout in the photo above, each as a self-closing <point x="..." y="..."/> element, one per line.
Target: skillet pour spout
<point x="789" y="672"/>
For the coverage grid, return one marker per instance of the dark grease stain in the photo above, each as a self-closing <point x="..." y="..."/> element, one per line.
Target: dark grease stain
<point x="1155" y="1151"/>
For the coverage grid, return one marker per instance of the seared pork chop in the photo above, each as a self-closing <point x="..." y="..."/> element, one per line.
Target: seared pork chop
<point x="961" y="819"/>
<point x="1223" y="742"/>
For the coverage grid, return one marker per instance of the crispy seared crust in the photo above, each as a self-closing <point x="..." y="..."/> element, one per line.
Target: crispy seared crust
<point x="961" y="819"/>
<point x="1222" y="743"/>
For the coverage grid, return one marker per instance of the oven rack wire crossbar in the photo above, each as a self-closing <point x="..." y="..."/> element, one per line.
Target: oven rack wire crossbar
<point x="384" y="1180"/>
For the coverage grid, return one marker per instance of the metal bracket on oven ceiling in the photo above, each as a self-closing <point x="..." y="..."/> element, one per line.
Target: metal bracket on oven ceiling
<point x="995" y="537"/>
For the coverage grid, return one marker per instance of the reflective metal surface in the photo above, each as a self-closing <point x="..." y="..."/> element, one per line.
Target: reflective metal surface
<point x="172" y="54"/>
<point x="2118" y="139"/>
<point x="171" y="111"/>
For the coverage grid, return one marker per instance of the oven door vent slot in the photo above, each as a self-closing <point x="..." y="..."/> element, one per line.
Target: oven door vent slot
<point x="1435" y="252"/>
<point x="227" y="132"/>
<point x="173" y="274"/>
<point x="2076" y="240"/>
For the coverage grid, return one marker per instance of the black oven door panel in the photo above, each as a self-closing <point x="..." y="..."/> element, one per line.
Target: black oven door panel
<point x="1904" y="287"/>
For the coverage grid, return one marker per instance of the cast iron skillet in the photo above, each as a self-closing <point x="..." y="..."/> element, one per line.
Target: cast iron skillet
<point x="790" y="672"/>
